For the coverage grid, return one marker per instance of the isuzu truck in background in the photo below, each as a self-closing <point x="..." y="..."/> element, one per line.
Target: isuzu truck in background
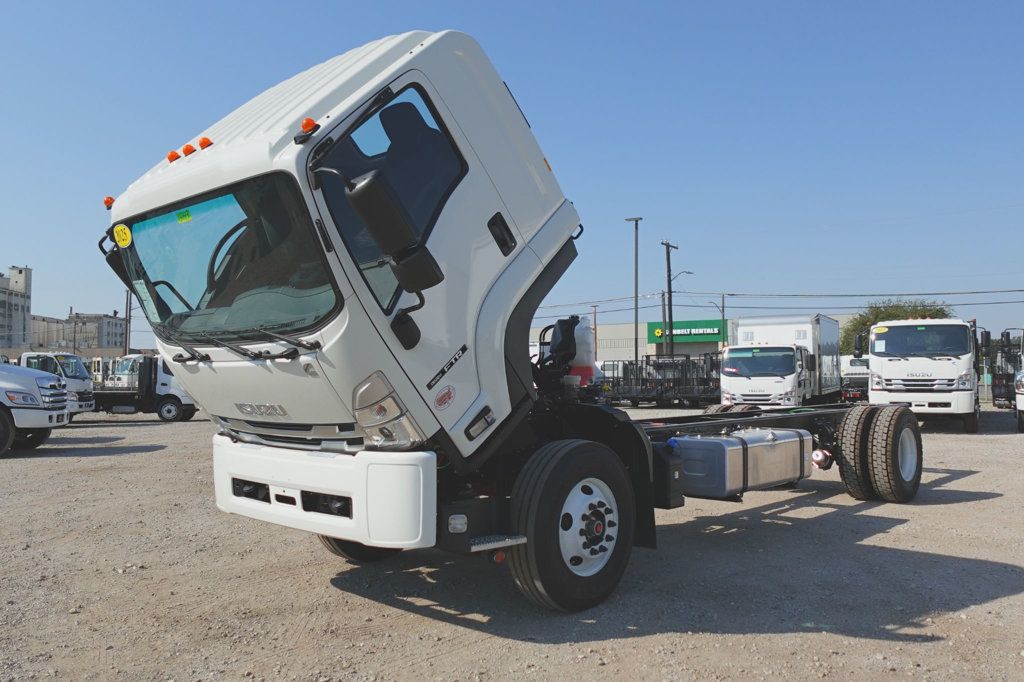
<point x="76" y="377"/>
<point x="782" y="360"/>
<point x="929" y="365"/>
<point x="344" y="272"/>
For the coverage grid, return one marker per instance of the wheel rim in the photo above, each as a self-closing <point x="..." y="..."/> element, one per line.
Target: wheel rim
<point x="908" y="454"/>
<point x="586" y="527"/>
<point x="169" y="411"/>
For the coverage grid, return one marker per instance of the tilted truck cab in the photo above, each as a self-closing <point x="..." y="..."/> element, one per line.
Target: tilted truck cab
<point x="343" y="272"/>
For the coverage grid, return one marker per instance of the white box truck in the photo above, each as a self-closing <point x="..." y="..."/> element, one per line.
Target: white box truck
<point x="343" y="272"/>
<point x="782" y="360"/>
<point x="930" y="365"/>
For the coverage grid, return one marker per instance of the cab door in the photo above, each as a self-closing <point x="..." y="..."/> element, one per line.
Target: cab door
<point x="413" y="138"/>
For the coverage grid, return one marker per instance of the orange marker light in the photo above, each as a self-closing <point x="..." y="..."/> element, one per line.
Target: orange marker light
<point x="173" y="156"/>
<point x="108" y="202"/>
<point x="204" y="142"/>
<point x="188" y="149"/>
<point x="308" y="125"/>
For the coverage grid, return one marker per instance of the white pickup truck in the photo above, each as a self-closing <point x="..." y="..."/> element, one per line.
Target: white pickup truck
<point x="32" y="403"/>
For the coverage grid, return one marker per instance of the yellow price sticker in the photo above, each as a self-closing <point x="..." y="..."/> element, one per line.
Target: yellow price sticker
<point x="881" y="330"/>
<point x="122" y="236"/>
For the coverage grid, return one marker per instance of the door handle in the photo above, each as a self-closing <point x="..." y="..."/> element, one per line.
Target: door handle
<point x="502" y="234"/>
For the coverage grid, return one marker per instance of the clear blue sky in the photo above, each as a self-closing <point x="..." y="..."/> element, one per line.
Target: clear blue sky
<point x="784" y="146"/>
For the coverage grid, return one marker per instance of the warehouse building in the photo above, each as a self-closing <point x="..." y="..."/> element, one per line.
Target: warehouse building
<point x="16" y="308"/>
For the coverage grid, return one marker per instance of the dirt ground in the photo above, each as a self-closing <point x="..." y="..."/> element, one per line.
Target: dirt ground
<point x="116" y="564"/>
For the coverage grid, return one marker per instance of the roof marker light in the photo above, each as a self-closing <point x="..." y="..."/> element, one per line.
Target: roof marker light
<point x="308" y="125"/>
<point x="188" y="149"/>
<point x="173" y="156"/>
<point x="108" y="202"/>
<point x="205" y="142"/>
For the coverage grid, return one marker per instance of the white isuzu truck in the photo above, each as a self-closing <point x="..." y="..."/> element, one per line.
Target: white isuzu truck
<point x="76" y="377"/>
<point x="32" y="404"/>
<point x="343" y="272"/>
<point x="930" y="365"/>
<point x="782" y="360"/>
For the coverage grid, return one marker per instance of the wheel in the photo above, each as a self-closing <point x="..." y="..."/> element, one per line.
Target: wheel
<point x="355" y="552"/>
<point x="744" y="408"/>
<point x="971" y="420"/>
<point x="1020" y="421"/>
<point x="895" y="454"/>
<point x="169" y="409"/>
<point x="715" y="409"/>
<point x="187" y="412"/>
<point x="30" y="439"/>
<point x="71" y="417"/>
<point x="854" y="432"/>
<point x="574" y="503"/>
<point x="634" y="403"/>
<point x="6" y="432"/>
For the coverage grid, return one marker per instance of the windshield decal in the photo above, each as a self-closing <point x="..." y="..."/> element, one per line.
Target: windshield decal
<point x="122" y="236"/>
<point x="142" y="293"/>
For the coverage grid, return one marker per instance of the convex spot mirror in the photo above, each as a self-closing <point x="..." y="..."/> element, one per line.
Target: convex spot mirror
<point x="858" y="346"/>
<point x="377" y="204"/>
<point x="986" y="338"/>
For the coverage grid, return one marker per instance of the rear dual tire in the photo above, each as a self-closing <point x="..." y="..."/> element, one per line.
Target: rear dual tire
<point x="880" y="454"/>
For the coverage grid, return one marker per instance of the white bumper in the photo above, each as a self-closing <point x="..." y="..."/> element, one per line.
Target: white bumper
<point x="38" y="419"/>
<point x="393" y="494"/>
<point x="957" y="402"/>
<point x="76" y="407"/>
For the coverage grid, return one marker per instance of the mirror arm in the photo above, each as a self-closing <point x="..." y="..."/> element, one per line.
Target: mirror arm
<point x="420" y="302"/>
<point x="334" y="171"/>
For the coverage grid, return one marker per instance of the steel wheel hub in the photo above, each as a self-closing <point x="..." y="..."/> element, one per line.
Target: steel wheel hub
<point x="908" y="454"/>
<point x="586" y="531"/>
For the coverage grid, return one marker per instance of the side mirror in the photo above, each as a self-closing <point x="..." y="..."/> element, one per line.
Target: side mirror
<point x="812" y="363"/>
<point x="1005" y="339"/>
<point x="986" y="338"/>
<point x="858" y="346"/>
<point x="377" y="204"/>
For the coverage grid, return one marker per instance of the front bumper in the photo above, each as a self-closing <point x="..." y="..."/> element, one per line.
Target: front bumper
<point x="393" y="494"/>
<point x="77" y="407"/>
<point x="38" y="419"/>
<point x="956" y="402"/>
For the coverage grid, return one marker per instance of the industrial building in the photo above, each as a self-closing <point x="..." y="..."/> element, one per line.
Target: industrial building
<point x="15" y="307"/>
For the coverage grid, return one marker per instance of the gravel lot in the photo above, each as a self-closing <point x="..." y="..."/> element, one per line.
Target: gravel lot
<point x="116" y="564"/>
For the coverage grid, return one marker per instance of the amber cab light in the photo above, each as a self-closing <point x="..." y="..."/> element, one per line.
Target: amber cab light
<point x="108" y="202"/>
<point x="173" y="156"/>
<point x="188" y="149"/>
<point x="204" y="142"/>
<point x="308" y="125"/>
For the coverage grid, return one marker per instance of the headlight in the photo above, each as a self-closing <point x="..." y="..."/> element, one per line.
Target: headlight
<point x="72" y="395"/>
<point x="383" y="416"/>
<point x="1018" y="382"/>
<point x="876" y="381"/>
<point x="727" y="398"/>
<point x="18" y="398"/>
<point x="966" y="380"/>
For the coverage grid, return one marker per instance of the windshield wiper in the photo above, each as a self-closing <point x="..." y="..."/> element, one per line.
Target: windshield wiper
<point x="298" y="343"/>
<point x="193" y="354"/>
<point x="245" y="352"/>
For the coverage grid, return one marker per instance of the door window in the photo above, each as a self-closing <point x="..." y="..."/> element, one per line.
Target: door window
<point x="407" y="143"/>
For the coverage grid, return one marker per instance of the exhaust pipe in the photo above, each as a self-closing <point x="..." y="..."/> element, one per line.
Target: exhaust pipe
<point x="822" y="459"/>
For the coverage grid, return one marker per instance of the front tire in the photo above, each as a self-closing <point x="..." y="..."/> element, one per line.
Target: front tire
<point x="30" y="439"/>
<point x="1020" y="421"/>
<point x="971" y="420"/>
<point x="574" y="503"/>
<point x="6" y="432"/>
<point x="715" y="409"/>
<point x="356" y="552"/>
<point x="895" y="454"/>
<point x="169" y="409"/>
<point x="187" y="413"/>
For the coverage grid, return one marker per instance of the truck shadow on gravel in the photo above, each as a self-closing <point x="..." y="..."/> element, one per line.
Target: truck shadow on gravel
<point x="800" y="564"/>
<point x="992" y="423"/>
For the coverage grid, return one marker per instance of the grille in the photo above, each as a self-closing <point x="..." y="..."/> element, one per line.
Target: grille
<point x="54" y="399"/>
<point x="755" y="397"/>
<point x="919" y="385"/>
<point x="340" y="437"/>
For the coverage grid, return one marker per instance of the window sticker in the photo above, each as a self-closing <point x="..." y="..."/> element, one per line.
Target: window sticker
<point x="880" y="345"/>
<point x="144" y="298"/>
<point x="881" y="330"/>
<point x="122" y="236"/>
<point x="184" y="216"/>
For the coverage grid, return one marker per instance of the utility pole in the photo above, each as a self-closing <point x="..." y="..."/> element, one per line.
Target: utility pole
<point x="593" y="308"/>
<point x="636" y="296"/>
<point x="724" y="331"/>
<point x="664" y="338"/>
<point x="127" y="321"/>
<point x="668" y="281"/>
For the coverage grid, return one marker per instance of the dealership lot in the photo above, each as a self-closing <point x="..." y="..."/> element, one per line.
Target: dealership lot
<point x="117" y="564"/>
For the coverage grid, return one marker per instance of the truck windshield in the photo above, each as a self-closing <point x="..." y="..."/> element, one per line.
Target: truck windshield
<point x="921" y="340"/>
<point x="73" y="367"/>
<point x="230" y="261"/>
<point x="759" y="362"/>
<point x="125" y="366"/>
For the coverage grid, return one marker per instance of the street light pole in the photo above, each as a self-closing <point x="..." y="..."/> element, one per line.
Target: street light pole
<point x="668" y="281"/>
<point x="722" y="330"/>
<point x="636" y="296"/>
